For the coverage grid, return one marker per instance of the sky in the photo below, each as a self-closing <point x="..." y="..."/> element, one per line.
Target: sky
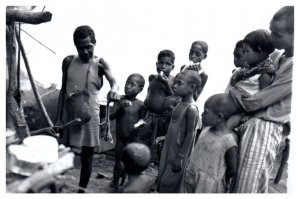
<point x="131" y="33"/>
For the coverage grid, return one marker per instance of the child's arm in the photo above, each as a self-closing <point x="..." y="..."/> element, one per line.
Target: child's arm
<point x="191" y="121"/>
<point x="265" y="80"/>
<point x="118" y="108"/>
<point x="115" y="111"/>
<point x="234" y="120"/>
<point x="164" y="79"/>
<point x="231" y="162"/>
<point x="204" y="78"/>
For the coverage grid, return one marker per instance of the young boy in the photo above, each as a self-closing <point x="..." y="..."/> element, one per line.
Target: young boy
<point x="214" y="157"/>
<point x="159" y="88"/>
<point x="181" y="133"/>
<point x="136" y="158"/>
<point x="127" y="112"/>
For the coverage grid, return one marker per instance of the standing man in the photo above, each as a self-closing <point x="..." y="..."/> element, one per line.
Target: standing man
<point x="270" y="109"/>
<point x="75" y="69"/>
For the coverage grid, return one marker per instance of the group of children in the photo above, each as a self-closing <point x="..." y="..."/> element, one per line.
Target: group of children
<point x="213" y="161"/>
<point x="231" y="150"/>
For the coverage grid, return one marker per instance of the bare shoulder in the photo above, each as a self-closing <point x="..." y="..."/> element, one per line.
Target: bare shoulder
<point x="192" y="111"/>
<point x="139" y="102"/>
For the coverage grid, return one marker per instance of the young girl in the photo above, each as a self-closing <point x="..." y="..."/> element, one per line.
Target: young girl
<point x="198" y="52"/>
<point x="213" y="162"/>
<point x="179" y="139"/>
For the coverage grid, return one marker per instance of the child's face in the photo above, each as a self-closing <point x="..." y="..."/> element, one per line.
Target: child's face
<point x="209" y="117"/>
<point x="85" y="49"/>
<point x="282" y="39"/>
<point x="132" y="87"/>
<point x="181" y="86"/>
<point x="252" y="57"/>
<point x="168" y="109"/>
<point x="165" y="65"/>
<point x="239" y="57"/>
<point x="196" y="54"/>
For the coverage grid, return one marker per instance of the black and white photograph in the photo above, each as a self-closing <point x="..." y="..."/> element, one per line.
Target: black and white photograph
<point x="149" y="97"/>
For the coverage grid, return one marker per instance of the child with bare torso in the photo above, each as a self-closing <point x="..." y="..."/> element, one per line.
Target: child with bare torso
<point x="127" y="112"/>
<point x="159" y="88"/>
<point x="136" y="158"/>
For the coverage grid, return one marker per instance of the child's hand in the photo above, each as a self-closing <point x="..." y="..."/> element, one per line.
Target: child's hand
<point x="125" y="103"/>
<point x="195" y="67"/>
<point x="162" y="78"/>
<point x="140" y="124"/>
<point x="177" y="164"/>
<point x="160" y="139"/>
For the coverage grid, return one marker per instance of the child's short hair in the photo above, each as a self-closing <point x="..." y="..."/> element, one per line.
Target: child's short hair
<point x="203" y="44"/>
<point x="194" y="77"/>
<point x="83" y="32"/>
<point x="136" y="158"/>
<point x="286" y="13"/>
<point x="166" y="53"/>
<point x="141" y="80"/>
<point x="239" y="44"/>
<point x="260" y="39"/>
<point x="223" y="103"/>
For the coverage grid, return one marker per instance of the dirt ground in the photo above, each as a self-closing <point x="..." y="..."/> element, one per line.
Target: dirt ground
<point x="102" y="176"/>
<point x="103" y="171"/>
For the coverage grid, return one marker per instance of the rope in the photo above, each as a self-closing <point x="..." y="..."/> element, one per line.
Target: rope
<point x="38" y="41"/>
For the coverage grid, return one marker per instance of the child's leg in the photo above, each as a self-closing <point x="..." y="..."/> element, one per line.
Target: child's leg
<point x="86" y="166"/>
<point x="118" y="168"/>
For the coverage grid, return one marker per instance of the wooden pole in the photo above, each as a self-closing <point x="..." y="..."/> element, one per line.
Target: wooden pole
<point x="27" y="17"/>
<point x="36" y="93"/>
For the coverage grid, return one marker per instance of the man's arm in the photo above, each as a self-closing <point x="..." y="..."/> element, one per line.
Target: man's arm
<point x="278" y="90"/>
<point x="191" y="121"/>
<point x="265" y="80"/>
<point x="112" y="81"/>
<point x="60" y="104"/>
